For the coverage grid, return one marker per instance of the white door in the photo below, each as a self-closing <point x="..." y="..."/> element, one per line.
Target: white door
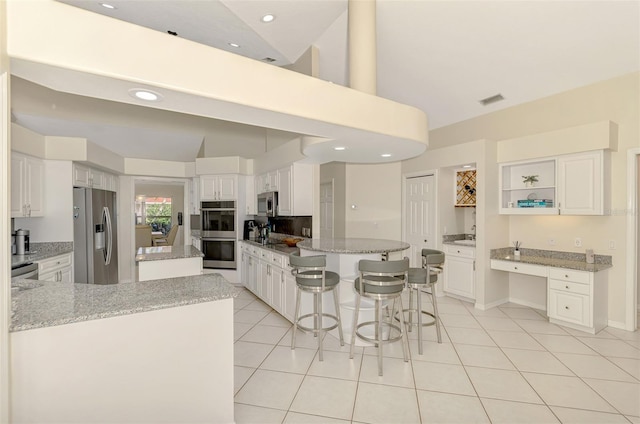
<point x="326" y="210"/>
<point x="420" y="212"/>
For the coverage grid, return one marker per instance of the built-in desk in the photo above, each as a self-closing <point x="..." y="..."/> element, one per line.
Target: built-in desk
<point x="576" y="291"/>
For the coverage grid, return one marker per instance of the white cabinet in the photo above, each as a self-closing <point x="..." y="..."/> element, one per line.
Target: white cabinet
<point x="577" y="299"/>
<point x="460" y="271"/>
<point x="295" y="191"/>
<point x="218" y="187"/>
<point x="575" y="184"/>
<point x="27" y="186"/>
<point x="267" y="182"/>
<point x="196" y="242"/>
<point x="194" y="196"/>
<point x="250" y="194"/>
<point x="58" y="268"/>
<point x="582" y="179"/>
<point x="85" y="176"/>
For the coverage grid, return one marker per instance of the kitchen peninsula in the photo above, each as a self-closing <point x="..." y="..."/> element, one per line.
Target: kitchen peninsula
<point x="168" y="261"/>
<point x="133" y="352"/>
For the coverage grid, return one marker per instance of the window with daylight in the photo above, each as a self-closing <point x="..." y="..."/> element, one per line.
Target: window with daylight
<point x="154" y="211"/>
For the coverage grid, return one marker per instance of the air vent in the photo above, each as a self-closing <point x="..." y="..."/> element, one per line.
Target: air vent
<point x="491" y="99"/>
<point x="268" y="59"/>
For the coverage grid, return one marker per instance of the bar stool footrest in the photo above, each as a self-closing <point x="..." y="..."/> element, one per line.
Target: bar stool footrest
<point x="375" y="341"/>
<point x="316" y="330"/>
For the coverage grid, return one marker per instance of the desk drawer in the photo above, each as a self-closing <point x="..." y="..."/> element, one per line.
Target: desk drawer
<point x="570" y="275"/>
<point x="462" y="251"/>
<point x="520" y="268"/>
<point x="568" y="286"/>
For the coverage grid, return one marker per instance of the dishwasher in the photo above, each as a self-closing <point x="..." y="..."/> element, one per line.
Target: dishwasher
<point x="28" y="271"/>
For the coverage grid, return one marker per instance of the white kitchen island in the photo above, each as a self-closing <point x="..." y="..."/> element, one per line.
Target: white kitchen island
<point x="157" y="351"/>
<point x="167" y="261"/>
<point x="343" y="255"/>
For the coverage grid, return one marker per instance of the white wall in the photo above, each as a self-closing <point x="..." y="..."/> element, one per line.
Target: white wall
<point x="57" y="224"/>
<point x="336" y="172"/>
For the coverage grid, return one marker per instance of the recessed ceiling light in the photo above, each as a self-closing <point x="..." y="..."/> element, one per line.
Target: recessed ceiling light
<point x="268" y="18"/>
<point x="234" y="45"/>
<point x="339" y="148"/>
<point x="107" y="5"/>
<point x="147" y="95"/>
<point x="386" y="155"/>
<point x="466" y="166"/>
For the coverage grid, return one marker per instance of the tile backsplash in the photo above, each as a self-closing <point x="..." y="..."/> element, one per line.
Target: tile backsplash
<point x="292" y="225"/>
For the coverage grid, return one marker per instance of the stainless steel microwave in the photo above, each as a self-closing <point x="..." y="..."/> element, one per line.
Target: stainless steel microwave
<point x="268" y="204"/>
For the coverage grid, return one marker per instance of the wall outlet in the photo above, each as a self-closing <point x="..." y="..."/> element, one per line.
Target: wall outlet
<point x="551" y="242"/>
<point x="577" y="242"/>
<point x="612" y="245"/>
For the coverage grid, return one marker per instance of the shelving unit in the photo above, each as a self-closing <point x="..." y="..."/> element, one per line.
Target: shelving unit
<point x="466" y="188"/>
<point x="513" y="189"/>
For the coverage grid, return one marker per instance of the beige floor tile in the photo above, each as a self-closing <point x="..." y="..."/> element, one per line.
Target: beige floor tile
<point x="239" y="329"/>
<point x="515" y="340"/>
<point x="625" y="397"/>
<point x="246" y="295"/>
<point x="297" y="418"/>
<point x="396" y="372"/>
<point x="259" y="305"/>
<point x="469" y="336"/>
<point x="632" y="366"/>
<point x="563" y="343"/>
<point x="240" y="303"/>
<point x="499" y="324"/>
<point x="483" y="356"/>
<point x="440" y="408"/>
<point x="600" y="335"/>
<point x="567" y="391"/>
<point x="377" y="403"/>
<point x="540" y="327"/>
<point x="489" y="313"/>
<point x="247" y="354"/>
<point x="240" y="376"/>
<point x="429" y="334"/>
<point x="523" y="313"/>
<point x="306" y="340"/>
<point x="507" y="412"/>
<point x="249" y="414"/>
<point x="434" y="352"/>
<point x="581" y="416"/>
<point x="634" y="420"/>
<point x="391" y="350"/>
<point x="611" y="347"/>
<point x="458" y="320"/>
<point x="623" y="334"/>
<point x="336" y="365"/>
<point x="332" y="342"/>
<point x="270" y="389"/>
<point x="249" y="316"/>
<point x="275" y="319"/>
<point x="264" y="334"/>
<point x="446" y="378"/>
<point x="539" y="362"/>
<point x="591" y="366"/>
<point x="282" y="358"/>
<point x="501" y="384"/>
<point x="328" y="397"/>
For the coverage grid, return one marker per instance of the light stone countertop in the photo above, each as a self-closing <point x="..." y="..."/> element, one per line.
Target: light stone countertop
<point x="161" y="253"/>
<point x="353" y="245"/>
<point x="40" y="304"/>
<point x="43" y="250"/>
<point x="553" y="258"/>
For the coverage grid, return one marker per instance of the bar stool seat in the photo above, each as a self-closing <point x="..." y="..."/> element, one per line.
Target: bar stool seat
<point x="423" y="280"/>
<point x="380" y="281"/>
<point x="312" y="277"/>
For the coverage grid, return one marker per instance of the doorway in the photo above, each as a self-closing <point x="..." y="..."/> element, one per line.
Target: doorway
<point x="420" y="216"/>
<point x="160" y="204"/>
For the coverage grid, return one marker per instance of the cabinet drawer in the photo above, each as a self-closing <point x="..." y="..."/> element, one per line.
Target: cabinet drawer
<point x="54" y="263"/>
<point x="520" y="268"/>
<point x="569" y="307"/>
<point x="568" y="286"/>
<point x="463" y="251"/>
<point x="265" y="254"/>
<point x="570" y="275"/>
<point x="277" y="259"/>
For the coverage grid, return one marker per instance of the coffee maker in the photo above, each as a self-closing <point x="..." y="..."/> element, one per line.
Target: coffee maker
<point x="22" y="242"/>
<point x="249" y="229"/>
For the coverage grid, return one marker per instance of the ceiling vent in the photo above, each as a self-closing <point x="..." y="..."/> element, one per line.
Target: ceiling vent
<point x="268" y="59"/>
<point x="492" y="99"/>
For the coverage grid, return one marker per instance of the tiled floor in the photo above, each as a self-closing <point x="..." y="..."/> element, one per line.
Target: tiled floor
<point x="504" y="365"/>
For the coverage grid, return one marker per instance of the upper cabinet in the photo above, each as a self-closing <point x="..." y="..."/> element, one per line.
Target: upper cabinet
<point x="466" y="188"/>
<point x="218" y="187"/>
<point x="295" y="190"/>
<point x="267" y="182"/>
<point x="27" y="186"/>
<point x="84" y="176"/>
<point x="573" y="184"/>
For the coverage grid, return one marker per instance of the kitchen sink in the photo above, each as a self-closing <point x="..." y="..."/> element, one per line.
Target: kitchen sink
<point x="465" y="242"/>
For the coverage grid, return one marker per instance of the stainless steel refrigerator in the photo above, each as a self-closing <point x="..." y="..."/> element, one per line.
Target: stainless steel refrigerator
<point x="95" y="243"/>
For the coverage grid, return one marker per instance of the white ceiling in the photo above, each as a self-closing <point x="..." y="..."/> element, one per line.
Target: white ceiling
<point x="439" y="56"/>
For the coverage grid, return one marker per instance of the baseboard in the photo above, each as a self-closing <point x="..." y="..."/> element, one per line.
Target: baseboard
<point x="484" y="307"/>
<point x="529" y="304"/>
<point x="618" y="325"/>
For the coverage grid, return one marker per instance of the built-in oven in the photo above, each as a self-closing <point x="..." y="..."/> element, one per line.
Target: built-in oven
<point x="219" y="253"/>
<point x="218" y="219"/>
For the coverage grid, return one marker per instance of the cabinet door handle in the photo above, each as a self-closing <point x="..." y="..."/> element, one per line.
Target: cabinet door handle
<point x="474" y="265"/>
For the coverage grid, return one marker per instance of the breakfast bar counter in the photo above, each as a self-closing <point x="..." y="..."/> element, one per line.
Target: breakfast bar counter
<point x="168" y="261"/>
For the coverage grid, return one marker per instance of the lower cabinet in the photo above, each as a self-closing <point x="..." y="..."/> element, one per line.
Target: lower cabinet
<point x="267" y="275"/>
<point x="459" y="271"/>
<point x="58" y="268"/>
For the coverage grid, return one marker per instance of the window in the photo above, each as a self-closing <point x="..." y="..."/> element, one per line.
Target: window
<point x="154" y="211"/>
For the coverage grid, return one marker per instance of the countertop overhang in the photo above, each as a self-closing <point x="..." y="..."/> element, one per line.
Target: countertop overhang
<point x="353" y="245"/>
<point x="553" y="258"/>
<point x="161" y="253"/>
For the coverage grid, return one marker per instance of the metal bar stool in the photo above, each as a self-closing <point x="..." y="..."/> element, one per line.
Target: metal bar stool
<point x="311" y="277"/>
<point x="423" y="280"/>
<point x="381" y="280"/>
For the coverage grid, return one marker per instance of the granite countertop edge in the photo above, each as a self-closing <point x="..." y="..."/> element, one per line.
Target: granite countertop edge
<point x="43" y="250"/>
<point x="176" y="252"/>
<point x="556" y="259"/>
<point x="353" y="245"/>
<point x="68" y="303"/>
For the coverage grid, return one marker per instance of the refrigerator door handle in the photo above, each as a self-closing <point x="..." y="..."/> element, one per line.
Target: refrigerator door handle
<point x="109" y="249"/>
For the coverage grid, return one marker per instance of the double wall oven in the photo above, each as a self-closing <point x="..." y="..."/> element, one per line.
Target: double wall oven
<point x="219" y="233"/>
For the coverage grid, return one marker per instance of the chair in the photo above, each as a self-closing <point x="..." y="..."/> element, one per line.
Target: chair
<point x="312" y="277"/>
<point x="380" y="281"/>
<point x="168" y="241"/>
<point x="423" y="280"/>
<point x="143" y="236"/>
